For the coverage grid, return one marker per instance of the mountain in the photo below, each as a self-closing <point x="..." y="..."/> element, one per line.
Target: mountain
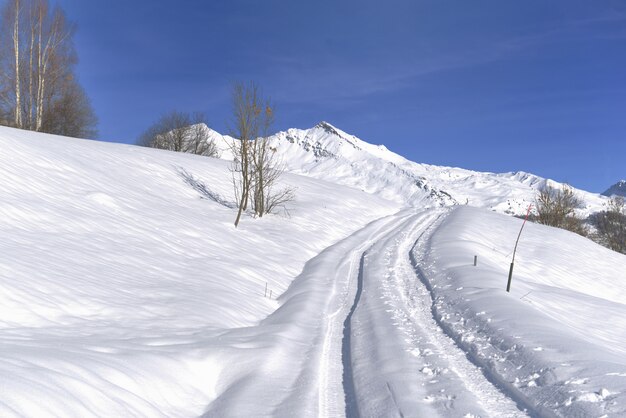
<point x="328" y="153"/>
<point x="618" y="189"/>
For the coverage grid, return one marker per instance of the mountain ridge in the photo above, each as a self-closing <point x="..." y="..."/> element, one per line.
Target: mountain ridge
<point x="618" y="189"/>
<point x="329" y="153"/>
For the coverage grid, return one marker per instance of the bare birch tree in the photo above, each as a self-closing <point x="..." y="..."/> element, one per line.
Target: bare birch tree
<point x="262" y="161"/>
<point x="40" y="69"/>
<point x="15" y="12"/>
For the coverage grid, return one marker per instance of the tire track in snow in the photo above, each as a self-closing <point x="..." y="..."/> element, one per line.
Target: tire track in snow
<point x="352" y="407"/>
<point x="419" y="304"/>
<point x="393" y="320"/>
<point x="300" y="373"/>
<point x="331" y="399"/>
<point x="332" y="392"/>
<point x="495" y="398"/>
<point x="351" y="401"/>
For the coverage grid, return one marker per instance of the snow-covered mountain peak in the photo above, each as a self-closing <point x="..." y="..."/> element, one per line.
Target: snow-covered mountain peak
<point x="328" y="128"/>
<point x="329" y="153"/>
<point x="324" y="139"/>
<point x="618" y="189"/>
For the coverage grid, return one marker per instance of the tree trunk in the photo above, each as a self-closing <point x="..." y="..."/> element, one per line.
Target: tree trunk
<point x="39" y="98"/>
<point x="31" y="50"/>
<point x="16" y="49"/>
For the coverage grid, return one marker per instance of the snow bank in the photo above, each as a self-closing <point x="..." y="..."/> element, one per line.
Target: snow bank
<point x="556" y="343"/>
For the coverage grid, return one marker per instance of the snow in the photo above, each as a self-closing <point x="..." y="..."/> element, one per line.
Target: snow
<point x="326" y="152"/>
<point x="118" y="278"/>
<point x="412" y="368"/>
<point x="125" y="289"/>
<point x="556" y="341"/>
<point x="618" y="189"/>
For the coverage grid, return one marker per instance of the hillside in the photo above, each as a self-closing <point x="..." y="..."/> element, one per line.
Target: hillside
<point x="119" y="272"/>
<point x="125" y="289"/>
<point x="558" y="337"/>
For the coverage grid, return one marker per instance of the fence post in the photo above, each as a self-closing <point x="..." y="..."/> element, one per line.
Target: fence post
<point x="508" y="284"/>
<point x="475" y="260"/>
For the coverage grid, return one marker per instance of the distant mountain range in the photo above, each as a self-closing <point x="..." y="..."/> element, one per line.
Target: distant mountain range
<point x="618" y="189"/>
<point x="328" y="153"/>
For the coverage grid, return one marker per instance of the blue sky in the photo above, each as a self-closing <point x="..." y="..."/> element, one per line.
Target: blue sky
<point x="530" y="85"/>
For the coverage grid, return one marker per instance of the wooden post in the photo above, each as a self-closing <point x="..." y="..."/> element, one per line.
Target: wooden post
<point x="475" y="260"/>
<point x="508" y="285"/>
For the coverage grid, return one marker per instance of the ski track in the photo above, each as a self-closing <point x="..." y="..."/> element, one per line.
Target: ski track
<point x="332" y="398"/>
<point x="446" y="381"/>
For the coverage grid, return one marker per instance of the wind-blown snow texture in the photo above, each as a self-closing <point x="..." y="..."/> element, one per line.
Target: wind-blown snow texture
<point x="126" y="291"/>
<point x="119" y="275"/>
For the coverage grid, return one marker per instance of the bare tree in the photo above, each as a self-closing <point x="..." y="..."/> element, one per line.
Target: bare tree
<point x="39" y="67"/>
<point x="256" y="168"/>
<point x="611" y="225"/>
<point x="70" y="114"/>
<point x="180" y="132"/>
<point x="267" y="169"/>
<point x="199" y="141"/>
<point x="556" y="207"/>
<point x="169" y="132"/>
<point x="245" y="128"/>
<point x="264" y="168"/>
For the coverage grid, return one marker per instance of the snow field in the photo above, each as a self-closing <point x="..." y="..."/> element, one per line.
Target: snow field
<point x="126" y="291"/>
<point x="122" y="277"/>
<point x="556" y="342"/>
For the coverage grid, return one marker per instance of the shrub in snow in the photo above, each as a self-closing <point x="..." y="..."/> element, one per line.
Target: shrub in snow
<point x="556" y="207"/>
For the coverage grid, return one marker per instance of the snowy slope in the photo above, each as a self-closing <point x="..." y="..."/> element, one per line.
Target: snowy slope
<point x="556" y="342"/>
<point x="119" y="275"/>
<point x="328" y="153"/>
<point x="126" y="291"/>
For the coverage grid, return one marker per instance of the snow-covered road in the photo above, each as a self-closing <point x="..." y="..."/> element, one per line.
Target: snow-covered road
<point x="398" y="362"/>
<point x="359" y="338"/>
